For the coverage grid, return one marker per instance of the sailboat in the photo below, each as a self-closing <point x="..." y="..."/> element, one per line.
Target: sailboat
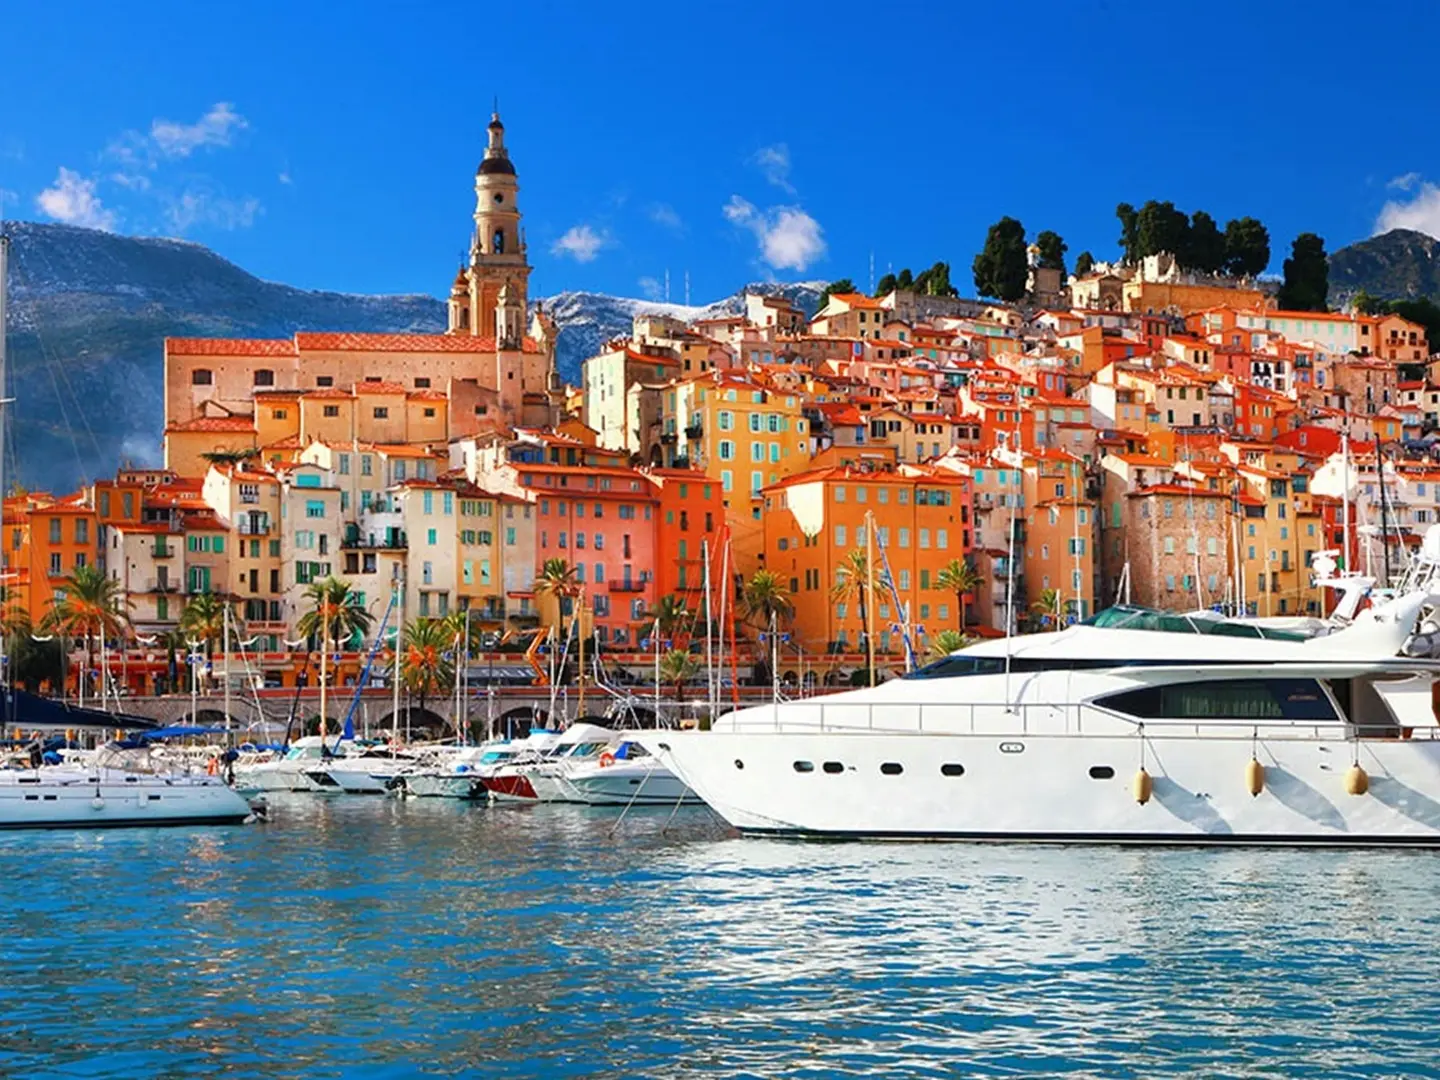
<point x="120" y="784"/>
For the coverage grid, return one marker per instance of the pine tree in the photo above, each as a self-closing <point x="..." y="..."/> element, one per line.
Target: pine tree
<point x="1129" y="233"/>
<point x="1205" y="251"/>
<point x="1000" y="269"/>
<point x="885" y="286"/>
<point x="1247" y="247"/>
<point x="1307" y="275"/>
<point x="1052" y="250"/>
<point x="1084" y="264"/>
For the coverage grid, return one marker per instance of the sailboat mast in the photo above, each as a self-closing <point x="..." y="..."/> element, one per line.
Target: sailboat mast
<point x="4" y="410"/>
<point x="1345" y="494"/>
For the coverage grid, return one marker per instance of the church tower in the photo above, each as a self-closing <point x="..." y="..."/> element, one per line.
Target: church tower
<point x="497" y="250"/>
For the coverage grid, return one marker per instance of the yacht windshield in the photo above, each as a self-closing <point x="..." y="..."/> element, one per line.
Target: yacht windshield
<point x="1124" y="617"/>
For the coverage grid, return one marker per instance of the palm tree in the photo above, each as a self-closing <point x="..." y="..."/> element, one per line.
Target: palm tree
<point x="334" y="610"/>
<point x="677" y="667"/>
<point x="1048" y="607"/>
<point x="672" y="616"/>
<point x="88" y="605"/>
<point x="203" y="618"/>
<point x="426" y="666"/>
<point x="959" y="577"/>
<point x="766" y="599"/>
<point x="947" y="642"/>
<point x="203" y="621"/>
<point x="852" y="583"/>
<point x="557" y="579"/>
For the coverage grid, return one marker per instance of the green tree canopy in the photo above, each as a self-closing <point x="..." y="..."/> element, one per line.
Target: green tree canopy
<point x="1129" y="233"/>
<point x="427" y="666"/>
<point x="1366" y="304"/>
<point x="844" y="285"/>
<point x="1307" y="275"/>
<point x="1001" y="269"/>
<point x="1084" y="264"/>
<point x="885" y="286"/>
<point x="936" y="281"/>
<point x="1052" y="250"/>
<point x="765" y="596"/>
<point x="203" y="618"/>
<point x="332" y="604"/>
<point x="947" y="642"/>
<point x="1162" y="228"/>
<point x="1205" y="249"/>
<point x="1247" y="247"/>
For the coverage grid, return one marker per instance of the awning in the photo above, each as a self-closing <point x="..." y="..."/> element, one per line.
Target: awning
<point x="19" y="709"/>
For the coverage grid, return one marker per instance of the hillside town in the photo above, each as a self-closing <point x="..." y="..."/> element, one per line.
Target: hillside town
<point x="832" y="493"/>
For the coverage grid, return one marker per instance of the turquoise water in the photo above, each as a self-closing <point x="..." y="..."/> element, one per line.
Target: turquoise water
<point x="382" y="938"/>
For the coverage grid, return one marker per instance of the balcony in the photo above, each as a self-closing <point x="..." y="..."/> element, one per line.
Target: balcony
<point x="628" y="586"/>
<point x="159" y="585"/>
<point x="694" y="431"/>
<point x="390" y="539"/>
<point x="668" y="438"/>
<point x="525" y="618"/>
<point x="162" y="550"/>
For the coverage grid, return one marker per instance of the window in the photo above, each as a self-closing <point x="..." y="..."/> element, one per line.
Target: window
<point x="330" y="411"/>
<point x="381" y="412"/>
<point x="1226" y="699"/>
<point x="314" y="508"/>
<point x="264" y="377"/>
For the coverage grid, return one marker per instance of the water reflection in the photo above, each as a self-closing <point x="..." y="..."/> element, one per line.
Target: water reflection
<point x="372" y="937"/>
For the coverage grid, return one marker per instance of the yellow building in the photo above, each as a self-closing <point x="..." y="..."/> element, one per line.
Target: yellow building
<point x="740" y="433"/>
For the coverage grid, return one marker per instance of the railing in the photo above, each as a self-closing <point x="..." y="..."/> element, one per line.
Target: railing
<point x="627" y="586"/>
<point x="1034" y="719"/>
<point x="163" y="551"/>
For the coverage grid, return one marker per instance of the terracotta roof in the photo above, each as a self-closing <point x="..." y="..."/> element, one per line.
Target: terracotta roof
<point x="353" y="342"/>
<point x="327" y="392"/>
<point x="183" y="346"/>
<point x="215" y="423"/>
<point x="388" y="388"/>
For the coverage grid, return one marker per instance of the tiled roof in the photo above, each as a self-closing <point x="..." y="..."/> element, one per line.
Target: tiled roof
<point x="215" y="423"/>
<point x="438" y="343"/>
<point x="184" y="346"/>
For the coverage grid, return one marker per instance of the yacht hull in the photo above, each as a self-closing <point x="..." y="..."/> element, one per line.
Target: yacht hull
<point x="31" y="802"/>
<point x="444" y="786"/>
<point x="625" y="784"/>
<point x="1061" y="789"/>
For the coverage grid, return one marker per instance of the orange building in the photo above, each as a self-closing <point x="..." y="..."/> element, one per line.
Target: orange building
<point x="691" y="512"/>
<point x="46" y="539"/>
<point x="815" y="520"/>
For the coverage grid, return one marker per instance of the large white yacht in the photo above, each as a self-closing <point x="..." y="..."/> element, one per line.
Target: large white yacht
<point x="1189" y="731"/>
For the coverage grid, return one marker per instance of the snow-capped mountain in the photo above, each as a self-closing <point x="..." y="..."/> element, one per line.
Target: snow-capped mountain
<point x="89" y="312"/>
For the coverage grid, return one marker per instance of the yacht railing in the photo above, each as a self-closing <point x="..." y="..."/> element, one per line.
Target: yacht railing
<point x="1042" y="719"/>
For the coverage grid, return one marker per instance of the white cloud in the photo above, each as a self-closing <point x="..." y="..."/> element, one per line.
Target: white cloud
<point x="774" y="162"/>
<point x="194" y="207"/>
<point x="133" y="181"/>
<point x="1404" y="182"/>
<point x="1420" y="212"/>
<point x="72" y="200"/>
<point x="652" y="288"/>
<point x="664" y="214"/>
<point x="789" y="238"/>
<point x="581" y="243"/>
<point x="7" y="196"/>
<point x="284" y="177"/>
<point x="215" y="128"/>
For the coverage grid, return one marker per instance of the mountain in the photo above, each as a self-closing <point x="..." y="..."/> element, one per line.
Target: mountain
<point x="89" y="312"/>
<point x="1401" y="264"/>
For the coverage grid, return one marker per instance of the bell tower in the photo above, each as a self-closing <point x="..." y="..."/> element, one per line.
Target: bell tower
<point x="497" y="250"/>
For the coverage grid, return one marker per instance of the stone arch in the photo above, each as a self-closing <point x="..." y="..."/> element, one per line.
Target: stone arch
<point x="416" y="721"/>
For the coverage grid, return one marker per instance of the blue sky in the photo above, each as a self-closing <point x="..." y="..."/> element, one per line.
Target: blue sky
<point x="334" y="146"/>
